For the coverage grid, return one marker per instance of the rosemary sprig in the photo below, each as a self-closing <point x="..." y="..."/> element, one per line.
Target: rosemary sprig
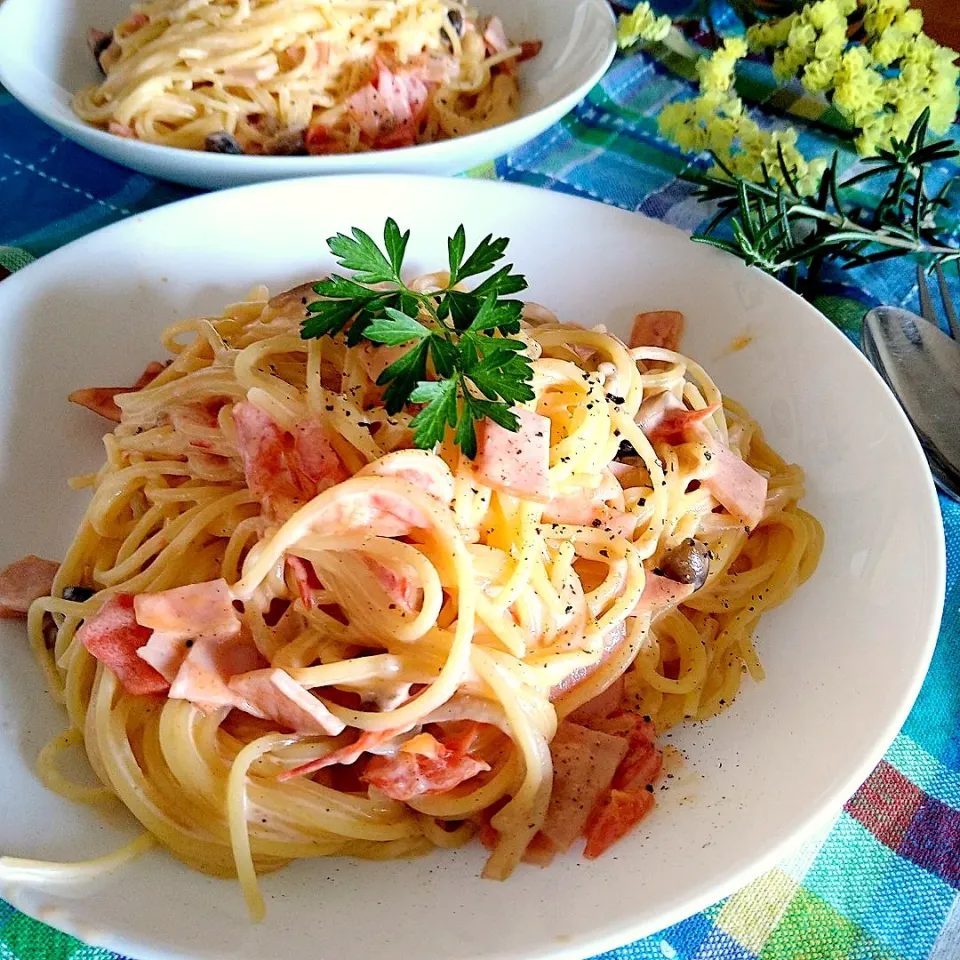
<point x="792" y="236"/>
<point x="462" y="364"/>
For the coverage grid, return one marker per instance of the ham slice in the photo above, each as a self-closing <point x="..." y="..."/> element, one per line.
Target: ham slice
<point x="367" y="741"/>
<point x="495" y="36"/>
<point x="515" y="463"/>
<point x="306" y="578"/>
<point x="23" y="582"/>
<point x="113" y="636"/>
<point x="601" y="706"/>
<point x="389" y="109"/>
<point x="273" y="694"/>
<point x="736" y="485"/>
<point x="194" y="610"/>
<point x="315" y="456"/>
<point x="284" y="470"/>
<point x="100" y="399"/>
<point x="657" y="328"/>
<point x="210" y="663"/>
<point x="421" y="767"/>
<point x="613" y="818"/>
<point x="420" y="467"/>
<point x="397" y="587"/>
<point x="659" y="593"/>
<point x="181" y="616"/>
<point x="678" y="426"/>
<point x="584" y="764"/>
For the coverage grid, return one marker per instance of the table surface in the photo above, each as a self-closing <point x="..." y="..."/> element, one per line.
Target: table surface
<point x="883" y="882"/>
<point x="942" y="20"/>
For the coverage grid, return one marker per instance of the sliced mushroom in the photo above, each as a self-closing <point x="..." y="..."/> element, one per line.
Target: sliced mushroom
<point x="687" y="562"/>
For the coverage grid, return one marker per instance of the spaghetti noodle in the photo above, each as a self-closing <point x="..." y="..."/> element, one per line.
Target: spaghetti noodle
<point x="296" y="76"/>
<point x="303" y="638"/>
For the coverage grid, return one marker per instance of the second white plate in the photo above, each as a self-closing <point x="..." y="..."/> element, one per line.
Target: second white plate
<point x="44" y="60"/>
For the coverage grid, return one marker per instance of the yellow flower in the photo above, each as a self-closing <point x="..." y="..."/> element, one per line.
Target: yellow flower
<point x="832" y="40"/>
<point x="818" y="75"/>
<point x="641" y="24"/>
<point x="889" y="46"/>
<point x="880" y="14"/>
<point x="770" y="33"/>
<point x="717" y="72"/>
<point x="911" y="21"/>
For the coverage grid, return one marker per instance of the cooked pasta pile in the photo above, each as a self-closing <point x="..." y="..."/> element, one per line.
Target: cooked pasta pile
<point x="281" y="632"/>
<point x="297" y="76"/>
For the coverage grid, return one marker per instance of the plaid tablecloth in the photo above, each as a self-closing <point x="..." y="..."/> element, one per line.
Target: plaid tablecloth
<point x="882" y="882"/>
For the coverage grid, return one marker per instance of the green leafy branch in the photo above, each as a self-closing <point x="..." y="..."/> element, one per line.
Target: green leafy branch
<point x="463" y="364"/>
<point x="792" y="236"/>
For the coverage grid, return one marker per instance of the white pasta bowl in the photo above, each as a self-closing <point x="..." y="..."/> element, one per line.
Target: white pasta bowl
<point x="44" y="60"/>
<point x="844" y="656"/>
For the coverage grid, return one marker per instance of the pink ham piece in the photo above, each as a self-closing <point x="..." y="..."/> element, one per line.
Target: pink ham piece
<point x="495" y="36"/>
<point x="657" y="328"/>
<point x="611" y="640"/>
<point x="396" y="586"/>
<point x="515" y="463"/>
<point x="113" y="636"/>
<point x="194" y="610"/>
<point x="584" y="764"/>
<point x="315" y="456"/>
<point x="120" y="129"/>
<point x="100" y="399"/>
<point x="617" y="813"/>
<point x="390" y="108"/>
<point x="284" y="470"/>
<point x="379" y="513"/>
<point x="678" y="426"/>
<point x="367" y="741"/>
<point x="739" y="489"/>
<point x="421" y="767"/>
<point x="306" y="578"/>
<point x="181" y="615"/>
<point x="273" y="694"/>
<point x="659" y="593"/>
<point x="210" y="663"/>
<point x="423" y="469"/>
<point x="23" y="582"/>
<point x="601" y="706"/>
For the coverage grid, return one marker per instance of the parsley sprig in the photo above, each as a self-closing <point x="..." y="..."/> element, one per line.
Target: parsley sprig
<point x="462" y="364"/>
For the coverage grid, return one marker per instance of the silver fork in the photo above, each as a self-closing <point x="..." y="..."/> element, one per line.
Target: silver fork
<point x="921" y="365"/>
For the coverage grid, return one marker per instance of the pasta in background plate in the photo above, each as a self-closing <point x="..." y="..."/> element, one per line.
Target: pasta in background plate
<point x="302" y="76"/>
<point x="281" y="632"/>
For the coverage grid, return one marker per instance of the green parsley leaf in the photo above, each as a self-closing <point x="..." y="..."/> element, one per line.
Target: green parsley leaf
<point x="488" y="252"/>
<point x="395" y="328"/>
<point x="361" y="254"/>
<point x="465" y="336"/>
<point x="503" y="374"/>
<point x="396" y="244"/>
<point x="466" y="435"/>
<point x="496" y="314"/>
<point x="502" y="283"/>
<point x="456" y="246"/>
<point x="430" y="424"/>
<point x="340" y="288"/>
<point x="328" y="318"/>
<point x="403" y="375"/>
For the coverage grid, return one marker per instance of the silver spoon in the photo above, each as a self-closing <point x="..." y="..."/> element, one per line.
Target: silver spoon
<point x="921" y="365"/>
